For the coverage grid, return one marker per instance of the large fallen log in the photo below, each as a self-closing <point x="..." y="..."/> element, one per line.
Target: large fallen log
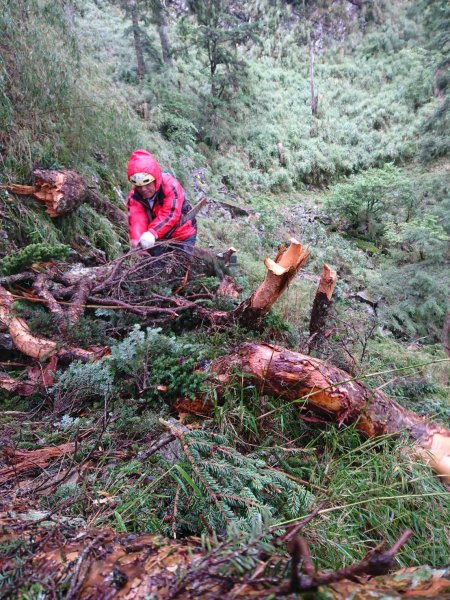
<point x="335" y="395"/>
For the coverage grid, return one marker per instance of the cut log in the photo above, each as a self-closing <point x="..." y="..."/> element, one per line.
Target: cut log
<point x="334" y="395"/>
<point x="24" y="461"/>
<point x="32" y="345"/>
<point x="100" y="563"/>
<point x="61" y="191"/>
<point x="64" y="191"/>
<point x="321" y="305"/>
<point x="280" y="273"/>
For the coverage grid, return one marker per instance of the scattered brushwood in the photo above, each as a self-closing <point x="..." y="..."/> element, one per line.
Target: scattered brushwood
<point x="101" y="563"/>
<point x="157" y="289"/>
<point x="37" y="376"/>
<point x="335" y="396"/>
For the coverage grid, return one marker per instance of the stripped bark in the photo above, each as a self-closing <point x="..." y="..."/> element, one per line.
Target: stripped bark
<point x="321" y="305"/>
<point x="335" y="396"/>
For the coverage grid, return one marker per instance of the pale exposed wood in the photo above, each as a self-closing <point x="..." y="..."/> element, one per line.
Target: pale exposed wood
<point x="279" y="275"/>
<point x="21" y="190"/>
<point x="334" y="395"/>
<point x="61" y="191"/>
<point x="32" y="345"/>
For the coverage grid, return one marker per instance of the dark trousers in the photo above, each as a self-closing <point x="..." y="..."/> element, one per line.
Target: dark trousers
<point x="185" y="246"/>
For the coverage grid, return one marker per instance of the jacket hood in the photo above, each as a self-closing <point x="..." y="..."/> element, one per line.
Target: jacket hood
<point x="142" y="161"/>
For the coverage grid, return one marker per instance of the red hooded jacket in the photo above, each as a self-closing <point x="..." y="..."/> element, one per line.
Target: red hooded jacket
<point x="162" y="217"/>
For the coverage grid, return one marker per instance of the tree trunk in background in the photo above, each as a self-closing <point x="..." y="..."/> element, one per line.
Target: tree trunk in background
<point x="132" y="6"/>
<point x="314" y="98"/>
<point x="446" y="334"/>
<point x="335" y="395"/>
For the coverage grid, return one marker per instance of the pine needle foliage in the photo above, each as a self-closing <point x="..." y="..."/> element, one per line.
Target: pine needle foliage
<point x="33" y="253"/>
<point x="214" y="487"/>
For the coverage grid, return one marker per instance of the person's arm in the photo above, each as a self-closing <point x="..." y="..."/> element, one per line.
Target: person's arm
<point x="137" y="221"/>
<point x="170" y="213"/>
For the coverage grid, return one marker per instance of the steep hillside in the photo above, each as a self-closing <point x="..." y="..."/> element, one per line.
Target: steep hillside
<point x="324" y="122"/>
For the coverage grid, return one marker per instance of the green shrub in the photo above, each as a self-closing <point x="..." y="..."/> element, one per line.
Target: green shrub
<point x="153" y="360"/>
<point x="365" y="200"/>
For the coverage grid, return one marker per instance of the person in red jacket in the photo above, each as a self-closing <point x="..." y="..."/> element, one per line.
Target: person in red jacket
<point x="156" y="205"/>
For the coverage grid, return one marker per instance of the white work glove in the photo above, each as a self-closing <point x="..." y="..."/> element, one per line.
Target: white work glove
<point x="147" y="240"/>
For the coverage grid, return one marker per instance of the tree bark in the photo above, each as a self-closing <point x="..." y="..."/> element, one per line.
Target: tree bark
<point x="163" y="29"/>
<point x="100" y="563"/>
<point x="321" y="305"/>
<point x="314" y="97"/>
<point x="104" y="206"/>
<point x="281" y="157"/>
<point x="333" y="394"/>
<point x="132" y="6"/>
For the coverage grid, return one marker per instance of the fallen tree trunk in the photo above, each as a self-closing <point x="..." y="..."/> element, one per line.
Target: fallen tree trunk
<point x="335" y="395"/>
<point x="32" y="345"/>
<point x="64" y="191"/>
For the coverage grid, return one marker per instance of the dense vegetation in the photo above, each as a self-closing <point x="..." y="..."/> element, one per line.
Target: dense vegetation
<point x="221" y="94"/>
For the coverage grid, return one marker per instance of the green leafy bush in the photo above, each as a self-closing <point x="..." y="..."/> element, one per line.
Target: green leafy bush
<point x="365" y="200"/>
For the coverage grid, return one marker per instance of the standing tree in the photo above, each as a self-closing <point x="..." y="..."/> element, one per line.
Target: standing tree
<point x="159" y="17"/>
<point x="131" y="8"/>
<point x="217" y="33"/>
